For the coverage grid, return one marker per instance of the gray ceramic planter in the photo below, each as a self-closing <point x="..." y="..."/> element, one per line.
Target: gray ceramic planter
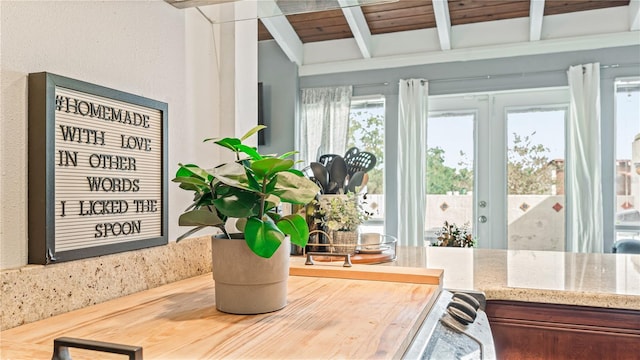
<point x="246" y="283"/>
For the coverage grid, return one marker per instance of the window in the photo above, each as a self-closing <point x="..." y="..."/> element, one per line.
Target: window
<point x="495" y="161"/>
<point x="450" y="175"/>
<point x="535" y="178"/>
<point x="627" y="165"/>
<point x="366" y="132"/>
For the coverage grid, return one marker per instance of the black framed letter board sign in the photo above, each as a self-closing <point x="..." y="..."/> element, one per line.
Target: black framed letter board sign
<point x="97" y="170"/>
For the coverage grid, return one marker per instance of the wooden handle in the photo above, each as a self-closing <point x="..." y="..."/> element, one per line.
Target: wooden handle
<point x="369" y="272"/>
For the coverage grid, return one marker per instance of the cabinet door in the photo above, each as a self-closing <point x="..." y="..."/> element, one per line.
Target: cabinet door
<point x="548" y="331"/>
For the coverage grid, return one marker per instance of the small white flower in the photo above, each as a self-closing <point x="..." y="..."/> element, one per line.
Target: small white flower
<point x="341" y="213"/>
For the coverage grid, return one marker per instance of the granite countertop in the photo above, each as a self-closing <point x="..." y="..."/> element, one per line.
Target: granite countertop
<point x="600" y="280"/>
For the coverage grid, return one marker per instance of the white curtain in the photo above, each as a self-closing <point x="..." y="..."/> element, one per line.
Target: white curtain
<point x="324" y="121"/>
<point x="583" y="168"/>
<point x="412" y="142"/>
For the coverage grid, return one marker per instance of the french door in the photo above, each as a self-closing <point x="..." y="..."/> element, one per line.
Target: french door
<point x="495" y="161"/>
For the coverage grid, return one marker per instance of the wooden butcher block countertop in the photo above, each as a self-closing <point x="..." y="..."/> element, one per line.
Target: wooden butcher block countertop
<point x="333" y="312"/>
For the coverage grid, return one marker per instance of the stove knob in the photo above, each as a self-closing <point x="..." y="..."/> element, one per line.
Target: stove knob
<point x="462" y="312"/>
<point x="473" y="302"/>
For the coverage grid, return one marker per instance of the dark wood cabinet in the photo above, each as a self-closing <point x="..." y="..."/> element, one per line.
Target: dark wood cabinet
<point x="524" y="330"/>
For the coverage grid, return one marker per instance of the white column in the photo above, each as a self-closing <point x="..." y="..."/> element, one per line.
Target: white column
<point x="239" y="71"/>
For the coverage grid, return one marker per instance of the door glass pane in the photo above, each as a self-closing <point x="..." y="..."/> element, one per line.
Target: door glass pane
<point x="535" y="178"/>
<point x="450" y="179"/>
<point x="627" y="202"/>
<point x="366" y="132"/>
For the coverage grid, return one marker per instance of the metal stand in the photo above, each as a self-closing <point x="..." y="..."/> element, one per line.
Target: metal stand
<point x="347" y="257"/>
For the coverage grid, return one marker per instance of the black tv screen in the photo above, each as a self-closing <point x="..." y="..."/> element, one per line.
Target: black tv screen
<point x="261" y="139"/>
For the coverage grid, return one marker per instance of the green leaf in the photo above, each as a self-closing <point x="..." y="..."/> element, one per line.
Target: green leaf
<point x="232" y="174"/>
<point x="184" y="171"/>
<point x="295" y="189"/>
<point x="253" y="183"/>
<point x="194" y="181"/>
<point x="251" y="151"/>
<point x="296" y="172"/>
<point x="199" y="217"/>
<point x="229" y="143"/>
<point x="238" y="204"/>
<point x="191" y="182"/>
<point x="202" y="200"/>
<point x="252" y="131"/>
<point x="191" y="187"/>
<point x="271" y="185"/>
<point x="274" y="216"/>
<point x="222" y="189"/>
<point x="263" y="237"/>
<point x="270" y="166"/>
<point x="296" y="227"/>
<point x="191" y="170"/>
<point x="287" y="154"/>
<point x="271" y="201"/>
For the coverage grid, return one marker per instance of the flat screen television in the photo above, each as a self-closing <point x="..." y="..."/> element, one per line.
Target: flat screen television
<point x="261" y="137"/>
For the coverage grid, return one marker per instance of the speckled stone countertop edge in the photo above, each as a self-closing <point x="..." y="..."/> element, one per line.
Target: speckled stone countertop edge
<point x="563" y="297"/>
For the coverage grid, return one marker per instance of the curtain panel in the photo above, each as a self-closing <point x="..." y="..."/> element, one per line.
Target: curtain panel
<point x="584" y="166"/>
<point x="412" y="142"/>
<point x="324" y="122"/>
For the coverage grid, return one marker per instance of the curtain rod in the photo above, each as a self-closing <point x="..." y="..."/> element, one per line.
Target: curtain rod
<point x="372" y="84"/>
<point x="523" y="74"/>
<point x="357" y="85"/>
<point x="488" y="77"/>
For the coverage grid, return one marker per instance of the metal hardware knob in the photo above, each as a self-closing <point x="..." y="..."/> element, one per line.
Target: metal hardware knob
<point x="461" y="311"/>
<point x="482" y="219"/>
<point x="470" y="300"/>
<point x="482" y="204"/>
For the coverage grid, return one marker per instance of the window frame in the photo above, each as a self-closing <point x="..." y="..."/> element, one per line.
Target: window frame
<point x="616" y="227"/>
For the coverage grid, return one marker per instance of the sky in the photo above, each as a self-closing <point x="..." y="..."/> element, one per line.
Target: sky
<point x="455" y="133"/>
<point x="452" y="134"/>
<point x="547" y="125"/>
<point x="627" y="123"/>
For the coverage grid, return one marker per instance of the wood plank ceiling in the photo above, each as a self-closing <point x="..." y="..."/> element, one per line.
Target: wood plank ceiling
<point x="405" y="15"/>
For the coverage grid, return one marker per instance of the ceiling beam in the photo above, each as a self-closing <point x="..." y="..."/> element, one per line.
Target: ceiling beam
<point x="443" y="23"/>
<point x="544" y="46"/>
<point x="281" y="30"/>
<point x="359" y="27"/>
<point x="634" y="15"/>
<point x="536" y="14"/>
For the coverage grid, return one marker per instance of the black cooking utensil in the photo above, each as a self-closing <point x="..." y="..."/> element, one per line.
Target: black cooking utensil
<point x="355" y="181"/>
<point x="321" y="174"/>
<point x="338" y="171"/>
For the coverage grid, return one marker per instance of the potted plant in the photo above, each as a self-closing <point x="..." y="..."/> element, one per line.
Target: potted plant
<point x="340" y="215"/>
<point x="251" y="268"/>
<point x="454" y="236"/>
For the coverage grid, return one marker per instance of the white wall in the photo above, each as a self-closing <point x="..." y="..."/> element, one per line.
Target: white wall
<point x="147" y="48"/>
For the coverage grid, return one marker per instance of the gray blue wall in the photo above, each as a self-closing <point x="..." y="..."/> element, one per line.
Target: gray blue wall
<point x="522" y="72"/>
<point x="279" y="78"/>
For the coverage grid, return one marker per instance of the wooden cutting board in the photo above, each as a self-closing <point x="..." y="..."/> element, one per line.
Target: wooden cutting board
<point x="326" y="317"/>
